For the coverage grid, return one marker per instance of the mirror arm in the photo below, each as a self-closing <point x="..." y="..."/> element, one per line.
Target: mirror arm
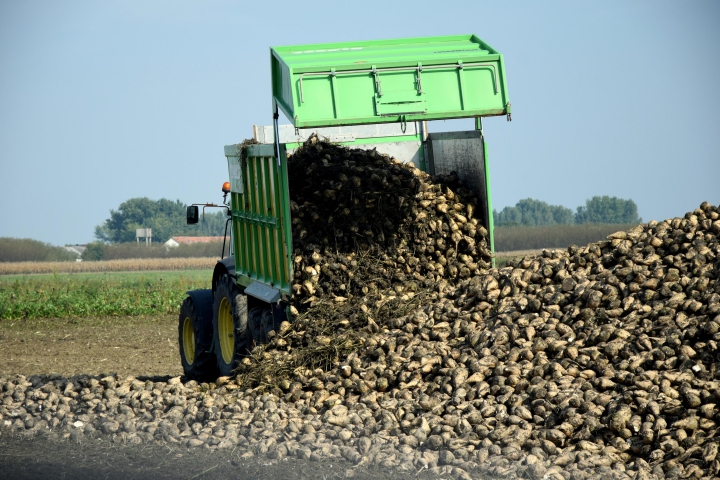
<point x="207" y="205"/>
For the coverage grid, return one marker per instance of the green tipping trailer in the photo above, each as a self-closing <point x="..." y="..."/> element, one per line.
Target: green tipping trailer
<point x="382" y="81"/>
<point x="360" y="94"/>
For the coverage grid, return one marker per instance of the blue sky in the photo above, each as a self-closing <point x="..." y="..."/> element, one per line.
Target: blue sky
<point x="104" y="101"/>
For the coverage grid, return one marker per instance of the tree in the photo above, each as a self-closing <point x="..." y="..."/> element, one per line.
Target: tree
<point x="93" y="252"/>
<point x="165" y="217"/>
<point x="530" y="212"/>
<point x="29" y="250"/>
<point x="507" y="217"/>
<point x="607" y="209"/>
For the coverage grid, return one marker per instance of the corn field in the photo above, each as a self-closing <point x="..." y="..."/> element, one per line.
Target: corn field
<point x="127" y="265"/>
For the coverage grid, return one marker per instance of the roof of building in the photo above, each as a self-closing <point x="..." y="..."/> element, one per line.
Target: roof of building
<point x="190" y="240"/>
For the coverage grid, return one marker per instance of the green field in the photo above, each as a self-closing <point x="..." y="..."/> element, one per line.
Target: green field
<point x="97" y="294"/>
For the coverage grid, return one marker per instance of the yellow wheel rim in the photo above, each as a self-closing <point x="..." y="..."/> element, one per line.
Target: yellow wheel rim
<point x="188" y="341"/>
<point x="226" y="329"/>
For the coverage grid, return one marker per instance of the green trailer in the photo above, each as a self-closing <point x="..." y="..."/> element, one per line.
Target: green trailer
<point x="374" y="94"/>
<point x="384" y="81"/>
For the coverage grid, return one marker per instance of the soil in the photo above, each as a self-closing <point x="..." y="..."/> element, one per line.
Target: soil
<point x="139" y="346"/>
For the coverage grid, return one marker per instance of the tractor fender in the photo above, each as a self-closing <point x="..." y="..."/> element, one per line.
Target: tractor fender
<point x="226" y="265"/>
<point x="203" y="302"/>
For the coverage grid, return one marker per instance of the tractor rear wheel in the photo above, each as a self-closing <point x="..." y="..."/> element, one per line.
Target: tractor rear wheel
<point x="195" y="338"/>
<point x="230" y="319"/>
<point x="261" y="322"/>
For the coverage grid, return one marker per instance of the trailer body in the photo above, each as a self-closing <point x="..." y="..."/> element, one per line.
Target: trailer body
<point x="260" y="218"/>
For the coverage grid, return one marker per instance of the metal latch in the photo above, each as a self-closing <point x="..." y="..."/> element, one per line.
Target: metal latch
<point x="263" y="292"/>
<point x="402" y="102"/>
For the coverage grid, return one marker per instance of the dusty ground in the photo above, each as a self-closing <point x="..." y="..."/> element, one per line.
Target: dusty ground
<point x="139" y="346"/>
<point x="49" y="458"/>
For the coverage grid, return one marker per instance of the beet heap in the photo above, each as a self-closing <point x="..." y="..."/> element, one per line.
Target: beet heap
<point x="360" y="210"/>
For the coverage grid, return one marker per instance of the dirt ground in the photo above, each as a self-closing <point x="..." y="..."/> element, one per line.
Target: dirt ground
<point x="139" y="346"/>
<point x="48" y="458"/>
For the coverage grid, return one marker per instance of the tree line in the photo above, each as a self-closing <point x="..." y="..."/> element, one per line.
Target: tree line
<point x="599" y="209"/>
<point x="29" y="250"/>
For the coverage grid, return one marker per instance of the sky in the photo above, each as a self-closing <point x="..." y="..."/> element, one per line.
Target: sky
<point x="101" y="102"/>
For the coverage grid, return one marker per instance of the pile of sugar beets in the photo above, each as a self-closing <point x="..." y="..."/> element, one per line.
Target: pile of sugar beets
<point x="365" y="224"/>
<point x="597" y="360"/>
<point x="408" y="351"/>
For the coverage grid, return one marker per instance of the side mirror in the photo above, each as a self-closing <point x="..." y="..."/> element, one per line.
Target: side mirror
<point x="193" y="214"/>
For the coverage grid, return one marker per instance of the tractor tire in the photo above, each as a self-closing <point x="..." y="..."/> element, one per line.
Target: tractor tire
<point x="261" y="323"/>
<point x="195" y="338"/>
<point x="255" y="324"/>
<point x="232" y="338"/>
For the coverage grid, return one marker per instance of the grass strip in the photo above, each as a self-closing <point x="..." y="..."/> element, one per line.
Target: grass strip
<point x="86" y="296"/>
